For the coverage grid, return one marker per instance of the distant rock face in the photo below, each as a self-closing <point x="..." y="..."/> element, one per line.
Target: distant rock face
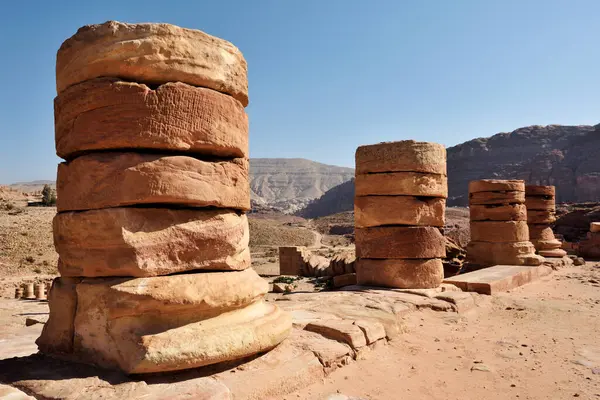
<point x="337" y="199"/>
<point x="289" y="185"/>
<point x="563" y="156"/>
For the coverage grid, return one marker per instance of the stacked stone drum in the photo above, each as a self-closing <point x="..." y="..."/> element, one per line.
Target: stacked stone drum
<point x="541" y="214"/>
<point x="590" y="246"/>
<point x="151" y="228"/>
<point x="399" y="208"/>
<point x="499" y="232"/>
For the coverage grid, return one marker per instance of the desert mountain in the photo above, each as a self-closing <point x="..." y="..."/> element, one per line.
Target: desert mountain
<point x="564" y="156"/>
<point x="289" y="184"/>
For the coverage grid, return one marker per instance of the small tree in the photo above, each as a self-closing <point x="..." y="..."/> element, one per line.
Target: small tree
<point x="48" y="196"/>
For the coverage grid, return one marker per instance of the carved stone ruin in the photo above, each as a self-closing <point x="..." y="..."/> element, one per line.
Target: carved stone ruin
<point x="590" y="247"/>
<point x="541" y="213"/>
<point x="399" y="208"/>
<point x="150" y="120"/>
<point x="499" y="231"/>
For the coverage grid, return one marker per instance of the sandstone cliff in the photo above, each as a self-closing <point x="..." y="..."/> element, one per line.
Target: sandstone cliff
<point x="290" y="184"/>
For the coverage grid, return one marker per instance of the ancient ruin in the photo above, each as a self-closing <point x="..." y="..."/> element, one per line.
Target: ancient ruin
<point x="401" y="191"/>
<point x="155" y="183"/>
<point x="499" y="231"/>
<point x="590" y="247"/>
<point x="541" y="213"/>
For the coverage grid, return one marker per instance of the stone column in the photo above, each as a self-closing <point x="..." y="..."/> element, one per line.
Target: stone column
<point x="399" y="208"/>
<point x="150" y="121"/>
<point x="499" y="232"/>
<point x="541" y="213"/>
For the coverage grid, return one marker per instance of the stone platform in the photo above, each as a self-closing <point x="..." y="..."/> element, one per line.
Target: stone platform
<point x="499" y="278"/>
<point x="331" y="330"/>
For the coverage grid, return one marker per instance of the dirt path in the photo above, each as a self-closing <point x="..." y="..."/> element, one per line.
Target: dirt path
<point x="541" y="341"/>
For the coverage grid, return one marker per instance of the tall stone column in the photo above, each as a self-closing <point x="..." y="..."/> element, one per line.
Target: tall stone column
<point x="541" y="213"/>
<point x="151" y="228"/>
<point x="399" y="208"/>
<point x="499" y="232"/>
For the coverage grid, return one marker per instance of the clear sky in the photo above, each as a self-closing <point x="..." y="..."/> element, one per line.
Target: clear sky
<point x="328" y="75"/>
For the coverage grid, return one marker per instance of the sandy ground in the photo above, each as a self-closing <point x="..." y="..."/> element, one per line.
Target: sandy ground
<point x="541" y="341"/>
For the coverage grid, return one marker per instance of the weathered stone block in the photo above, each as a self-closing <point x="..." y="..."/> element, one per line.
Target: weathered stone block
<point x="110" y="179"/>
<point x="344" y="280"/>
<point x="400" y="242"/>
<point x="513" y="197"/>
<point x="488" y="253"/>
<point x="57" y="335"/>
<point x="152" y="53"/>
<point x="540" y="203"/>
<point x="402" y="274"/>
<point x="540" y="217"/>
<point x="534" y="190"/>
<point x="497" y="185"/>
<point x="401" y="183"/>
<point x="341" y="330"/>
<point x="108" y="114"/>
<point x="406" y="155"/>
<point x="552" y="253"/>
<point x="175" y="322"/>
<point x="505" y="212"/>
<point x="499" y="231"/>
<point x="150" y="241"/>
<point x="398" y="210"/>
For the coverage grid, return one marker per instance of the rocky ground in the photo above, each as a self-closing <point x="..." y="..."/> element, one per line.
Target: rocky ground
<point x="535" y="342"/>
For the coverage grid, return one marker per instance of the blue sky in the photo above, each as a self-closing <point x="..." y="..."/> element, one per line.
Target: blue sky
<point x="328" y="75"/>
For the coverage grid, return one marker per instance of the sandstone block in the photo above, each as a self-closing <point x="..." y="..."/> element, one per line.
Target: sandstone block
<point x="514" y="197"/>
<point x="108" y="114"/>
<point x="341" y="330"/>
<point x="496" y="185"/>
<point x="373" y="330"/>
<point x="540" y="203"/>
<point x="401" y="183"/>
<point x="150" y="241"/>
<point x="57" y="334"/>
<point x="505" y="212"/>
<point x="400" y="242"/>
<point x="398" y="210"/>
<point x="547" y="244"/>
<point x="552" y="253"/>
<point x="110" y="179"/>
<point x="540" y="217"/>
<point x="595" y="227"/>
<point x="540" y="232"/>
<point x="534" y="190"/>
<point x="488" y="253"/>
<point x="402" y="274"/>
<point x="344" y="280"/>
<point x="152" y="53"/>
<point x="499" y="231"/>
<point x="229" y="336"/>
<point x="175" y="322"/>
<point x="405" y="155"/>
